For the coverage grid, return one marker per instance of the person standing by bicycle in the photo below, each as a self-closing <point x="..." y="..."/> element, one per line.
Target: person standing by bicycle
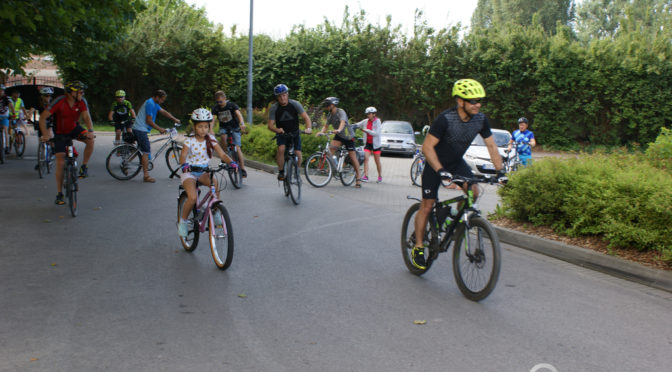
<point x="230" y="121"/>
<point x="283" y="117"/>
<point x="344" y="133"/>
<point x="525" y="140"/>
<point x="196" y="154"/>
<point x="449" y="137"/>
<point x="371" y="128"/>
<point x="6" y="109"/>
<point x="144" y="122"/>
<point x="120" y="114"/>
<point x="69" y="109"/>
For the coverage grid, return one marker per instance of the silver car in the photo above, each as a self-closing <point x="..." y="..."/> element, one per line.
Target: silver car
<point x="397" y="137"/>
<point x="477" y="155"/>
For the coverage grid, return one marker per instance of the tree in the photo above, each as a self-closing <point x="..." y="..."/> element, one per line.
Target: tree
<point x="523" y="12"/>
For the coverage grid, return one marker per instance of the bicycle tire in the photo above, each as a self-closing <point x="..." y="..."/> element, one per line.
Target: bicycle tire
<point x="50" y="157"/>
<point x="293" y="179"/>
<point x="416" y="171"/>
<point x="190" y="242"/>
<point x="471" y="272"/>
<point x="221" y="238"/>
<point x="408" y="240"/>
<point x="41" y="160"/>
<point x="124" y="162"/>
<point x="2" y="147"/>
<point x="173" y="157"/>
<point x="348" y="173"/>
<point x="318" y="170"/>
<point x="19" y="144"/>
<point x="234" y="173"/>
<point x="71" y="175"/>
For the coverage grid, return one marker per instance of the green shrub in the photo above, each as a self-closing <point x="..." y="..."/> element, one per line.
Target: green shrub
<point x="619" y="196"/>
<point x="659" y="153"/>
<point x="257" y="144"/>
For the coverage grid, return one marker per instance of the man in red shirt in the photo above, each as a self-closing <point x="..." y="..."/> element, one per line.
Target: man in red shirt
<point x="69" y="109"/>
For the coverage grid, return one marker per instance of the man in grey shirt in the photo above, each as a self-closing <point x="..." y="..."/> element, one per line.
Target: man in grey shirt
<point x="344" y="133"/>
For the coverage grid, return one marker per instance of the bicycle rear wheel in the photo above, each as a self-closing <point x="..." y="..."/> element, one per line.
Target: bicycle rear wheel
<point x="2" y="147"/>
<point x="124" y="162"/>
<point x="71" y="176"/>
<point x="173" y="157"/>
<point x="348" y="172"/>
<point x="294" y="181"/>
<point x="19" y="143"/>
<point x="41" y="159"/>
<point x="318" y="170"/>
<point x="221" y="237"/>
<point x="416" y="171"/>
<point x="234" y="173"/>
<point x="477" y="260"/>
<point x="408" y="240"/>
<point x="189" y="242"/>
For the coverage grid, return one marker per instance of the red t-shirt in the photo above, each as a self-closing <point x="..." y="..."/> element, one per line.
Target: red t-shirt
<point x="66" y="116"/>
<point x="369" y="126"/>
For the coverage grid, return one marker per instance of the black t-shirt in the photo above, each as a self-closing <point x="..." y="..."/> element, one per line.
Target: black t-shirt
<point x="455" y="136"/>
<point x="121" y="110"/>
<point x="227" y="116"/>
<point x="286" y="117"/>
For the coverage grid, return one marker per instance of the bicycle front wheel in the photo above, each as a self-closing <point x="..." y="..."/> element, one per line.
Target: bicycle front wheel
<point x="408" y="240"/>
<point x="72" y="189"/>
<point x="124" y="162"/>
<point x="294" y="181"/>
<point x="2" y="147"/>
<point x="41" y="159"/>
<point x="221" y="237"/>
<point x="19" y="143"/>
<point x="189" y="242"/>
<point x="234" y="173"/>
<point x="173" y="157"/>
<point x="318" y="170"/>
<point x="416" y="171"/>
<point x="477" y="259"/>
<point x="348" y="172"/>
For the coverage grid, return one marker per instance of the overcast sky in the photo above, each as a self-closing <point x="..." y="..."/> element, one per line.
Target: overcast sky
<point x="276" y="17"/>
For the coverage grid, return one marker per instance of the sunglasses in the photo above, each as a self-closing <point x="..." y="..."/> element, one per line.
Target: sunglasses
<point x="221" y="101"/>
<point x="474" y="101"/>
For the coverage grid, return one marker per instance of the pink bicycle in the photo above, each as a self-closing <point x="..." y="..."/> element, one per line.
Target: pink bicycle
<point x="209" y="214"/>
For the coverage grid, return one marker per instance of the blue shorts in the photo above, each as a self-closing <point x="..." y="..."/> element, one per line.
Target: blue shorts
<point x="4" y="120"/>
<point x="234" y="134"/>
<point x="143" y="141"/>
<point x="525" y="159"/>
<point x="282" y="140"/>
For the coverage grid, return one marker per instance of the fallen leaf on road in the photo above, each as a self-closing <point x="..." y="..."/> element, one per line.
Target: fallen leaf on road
<point x="33" y="359"/>
<point x="420" y="322"/>
<point x="53" y="264"/>
<point x="242" y="295"/>
<point x="46" y="221"/>
<point x="97" y="208"/>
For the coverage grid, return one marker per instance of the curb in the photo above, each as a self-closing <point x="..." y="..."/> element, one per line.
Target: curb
<point x="261" y="166"/>
<point x="589" y="259"/>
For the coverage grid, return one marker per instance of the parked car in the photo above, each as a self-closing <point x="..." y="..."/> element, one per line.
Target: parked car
<point x="397" y="137"/>
<point x="477" y="155"/>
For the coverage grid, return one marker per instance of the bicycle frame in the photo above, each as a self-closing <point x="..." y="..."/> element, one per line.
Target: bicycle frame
<point x="340" y="153"/>
<point x="170" y="140"/>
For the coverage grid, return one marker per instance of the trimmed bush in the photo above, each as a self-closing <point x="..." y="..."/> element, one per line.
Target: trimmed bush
<point x="257" y="144"/>
<point x="659" y="153"/>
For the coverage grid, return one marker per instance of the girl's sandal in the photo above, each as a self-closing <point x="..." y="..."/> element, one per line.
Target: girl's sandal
<point x="358" y="184"/>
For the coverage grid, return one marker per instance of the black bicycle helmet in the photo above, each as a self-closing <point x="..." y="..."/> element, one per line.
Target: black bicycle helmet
<point x="331" y="101"/>
<point x="74" y="86"/>
<point x="523" y="120"/>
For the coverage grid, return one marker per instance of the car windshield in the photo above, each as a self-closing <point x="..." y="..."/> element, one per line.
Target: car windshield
<point x="399" y="127"/>
<point x="501" y="139"/>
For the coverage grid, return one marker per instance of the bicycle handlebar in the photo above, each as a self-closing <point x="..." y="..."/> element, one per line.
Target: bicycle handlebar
<point x="489" y="179"/>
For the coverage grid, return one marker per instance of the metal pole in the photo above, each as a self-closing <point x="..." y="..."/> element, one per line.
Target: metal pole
<point x="249" y="69"/>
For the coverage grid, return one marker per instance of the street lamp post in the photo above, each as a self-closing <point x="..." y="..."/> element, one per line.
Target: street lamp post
<point x="249" y="69"/>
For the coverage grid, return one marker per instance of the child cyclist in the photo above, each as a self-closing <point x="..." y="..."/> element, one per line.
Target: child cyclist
<point x="120" y="115"/>
<point x="196" y="153"/>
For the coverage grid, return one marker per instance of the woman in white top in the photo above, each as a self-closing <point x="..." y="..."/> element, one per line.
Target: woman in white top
<point x="371" y="128"/>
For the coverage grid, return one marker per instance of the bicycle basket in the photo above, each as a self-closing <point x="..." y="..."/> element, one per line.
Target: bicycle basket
<point x="129" y="137"/>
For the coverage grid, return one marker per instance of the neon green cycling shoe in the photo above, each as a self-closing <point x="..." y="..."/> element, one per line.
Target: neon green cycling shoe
<point x="418" y="258"/>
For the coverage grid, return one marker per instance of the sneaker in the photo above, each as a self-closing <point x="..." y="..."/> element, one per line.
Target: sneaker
<point x="243" y="173"/>
<point x="418" y="257"/>
<point x="182" y="228"/>
<point x="365" y="179"/>
<point x="380" y="179"/>
<point x="281" y="175"/>
<point x="60" y="199"/>
<point x="218" y="219"/>
<point x="84" y="171"/>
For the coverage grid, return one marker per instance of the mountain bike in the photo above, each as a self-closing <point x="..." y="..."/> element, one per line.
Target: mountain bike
<point x="511" y="161"/>
<point x="417" y="167"/>
<point x="321" y="166"/>
<point x="45" y="158"/>
<point x="202" y="218"/>
<point x="235" y="174"/>
<point x="476" y="251"/>
<point x="125" y="161"/>
<point x="292" y="181"/>
<point x="16" y="139"/>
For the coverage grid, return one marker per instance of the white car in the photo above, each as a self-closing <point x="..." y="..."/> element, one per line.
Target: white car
<point x="478" y="157"/>
<point x="397" y="137"/>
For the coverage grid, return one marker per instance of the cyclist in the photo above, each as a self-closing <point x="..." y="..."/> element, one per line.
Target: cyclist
<point x="196" y="153"/>
<point x="283" y="117"/>
<point x="449" y="137"/>
<point x="230" y="121"/>
<point x="119" y="114"/>
<point x="344" y="133"/>
<point x="45" y="99"/>
<point x="144" y="123"/>
<point x="69" y="109"/>
<point x="20" y="113"/>
<point x="6" y="108"/>
<point x="525" y="140"/>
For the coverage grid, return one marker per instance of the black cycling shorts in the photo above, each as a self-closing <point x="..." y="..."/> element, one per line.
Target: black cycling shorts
<point x="61" y="139"/>
<point x="431" y="180"/>
<point x="349" y="144"/>
<point x="123" y="124"/>
<point x="296" y="136"/>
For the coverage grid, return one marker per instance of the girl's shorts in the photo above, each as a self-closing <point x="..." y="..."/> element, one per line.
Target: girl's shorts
<point x="369" y="148"/>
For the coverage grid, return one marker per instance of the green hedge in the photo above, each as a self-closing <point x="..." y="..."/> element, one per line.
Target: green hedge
<point x="621" y="197"/>
<point x="257" y="144"/>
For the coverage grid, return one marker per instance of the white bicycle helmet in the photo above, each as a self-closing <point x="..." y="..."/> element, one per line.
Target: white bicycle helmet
<point x="425" y="130"/>
<point x="370" y="110"/>
<point x="201" y="114"/>
<point x="46" y="91"/>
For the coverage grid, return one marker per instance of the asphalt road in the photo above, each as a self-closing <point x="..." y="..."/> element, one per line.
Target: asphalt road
<point x="315" y="287"/>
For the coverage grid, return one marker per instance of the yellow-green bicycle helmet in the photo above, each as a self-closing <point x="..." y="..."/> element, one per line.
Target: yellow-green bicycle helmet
<point x="120" y="93"/>
<point x="468" y="89"/>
